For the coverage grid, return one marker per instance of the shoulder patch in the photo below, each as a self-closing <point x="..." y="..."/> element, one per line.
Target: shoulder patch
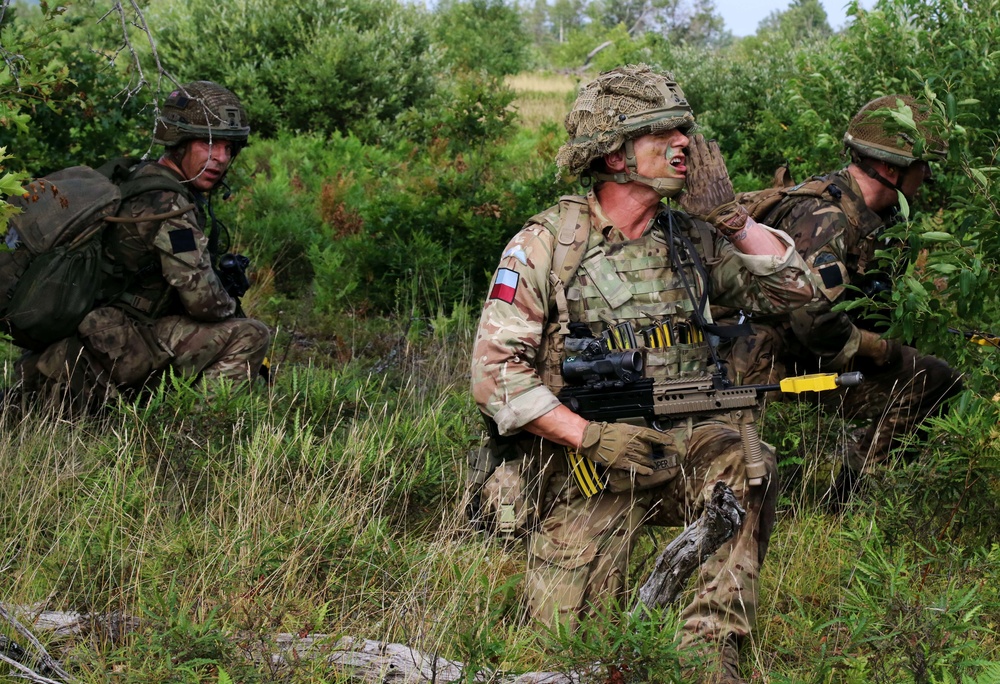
<point x="505" y="285"/>
<point x="831" y="275"/>
<point x="516" y="253"/>
<point x="182" y="240"/>
<point x="824" y="258"/>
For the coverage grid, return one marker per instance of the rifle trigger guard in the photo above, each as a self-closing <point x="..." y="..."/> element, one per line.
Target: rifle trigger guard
<point x="661" y="425"/>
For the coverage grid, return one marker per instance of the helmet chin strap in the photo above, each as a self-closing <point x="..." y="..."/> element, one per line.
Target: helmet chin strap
<point x="872" y="173"/>
<point x="665" y="187"/>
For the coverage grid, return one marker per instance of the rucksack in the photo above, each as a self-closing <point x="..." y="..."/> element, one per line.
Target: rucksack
<point x="769" y="205"/>
<point x="53" y="273"/>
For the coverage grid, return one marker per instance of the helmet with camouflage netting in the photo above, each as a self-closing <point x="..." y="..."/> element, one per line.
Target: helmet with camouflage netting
<point x="895" y="129"/>
<point x="618" y="106"/>
<point x="201" y="110"/>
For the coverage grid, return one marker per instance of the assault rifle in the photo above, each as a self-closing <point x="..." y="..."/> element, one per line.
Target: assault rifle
<point x="614" y="388"/>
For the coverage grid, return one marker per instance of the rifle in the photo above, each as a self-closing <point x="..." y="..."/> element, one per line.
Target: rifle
<point x="976" y="337"/>
<point x="613" y="388"/>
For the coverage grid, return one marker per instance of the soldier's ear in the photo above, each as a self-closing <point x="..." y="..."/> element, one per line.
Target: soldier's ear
<point x="615" y="161"/>
<point x="891" y="173"/>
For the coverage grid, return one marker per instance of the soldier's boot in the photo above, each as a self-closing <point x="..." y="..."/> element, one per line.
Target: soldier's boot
<point x="729" y="662"/>
<point x="720" y="667"/>
<point x="844" y="487"/>
<point x="66" y="379"/>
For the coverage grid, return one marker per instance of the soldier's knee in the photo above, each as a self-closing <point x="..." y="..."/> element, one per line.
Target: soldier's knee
<point x="256" y="334"/>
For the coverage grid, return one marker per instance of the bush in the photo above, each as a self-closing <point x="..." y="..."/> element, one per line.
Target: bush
<point x="307" y="65"/>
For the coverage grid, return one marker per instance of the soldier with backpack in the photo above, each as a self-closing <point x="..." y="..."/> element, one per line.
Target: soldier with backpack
<point x="619" y="263"/>
<point x="161" y="303"/>
<point x="836" y="221"/>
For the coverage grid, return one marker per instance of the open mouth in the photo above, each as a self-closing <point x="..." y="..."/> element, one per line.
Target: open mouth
<point x="677" y="163"/>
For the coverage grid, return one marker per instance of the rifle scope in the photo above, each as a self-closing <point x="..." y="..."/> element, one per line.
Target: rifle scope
<point x="623" y="365"/>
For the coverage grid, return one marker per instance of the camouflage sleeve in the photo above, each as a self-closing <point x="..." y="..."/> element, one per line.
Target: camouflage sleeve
<point x="186" y="265"/>
<point x="760" y="283"/>
<point x="820" y="231"/>
<point x="505" y="384"/>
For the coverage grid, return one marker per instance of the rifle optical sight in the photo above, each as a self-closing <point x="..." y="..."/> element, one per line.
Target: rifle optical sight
<point x="624" y="366"/>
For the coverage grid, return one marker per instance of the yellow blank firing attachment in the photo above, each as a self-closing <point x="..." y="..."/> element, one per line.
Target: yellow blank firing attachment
<point x="818" y="382"/>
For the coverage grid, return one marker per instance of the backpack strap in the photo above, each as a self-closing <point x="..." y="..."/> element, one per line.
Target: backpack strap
<point x="122" y="172"/>
<point x="571" y="229"/>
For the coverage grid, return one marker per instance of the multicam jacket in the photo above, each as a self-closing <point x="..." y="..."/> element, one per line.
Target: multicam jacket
<point x="164" y="266"/>
<point x="836" y="235"/>
<point x="518" y="345"/>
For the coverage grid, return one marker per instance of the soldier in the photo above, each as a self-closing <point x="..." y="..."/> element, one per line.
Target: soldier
<point x="620" y="258"/>
<point x="165" y="306"/>
<point x="835" y="222"/>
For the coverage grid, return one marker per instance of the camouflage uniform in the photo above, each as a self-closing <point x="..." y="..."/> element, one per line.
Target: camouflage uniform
<point x="836" y="234"/>
<point x="170" y="311"/>
<point x="578" y="555"/>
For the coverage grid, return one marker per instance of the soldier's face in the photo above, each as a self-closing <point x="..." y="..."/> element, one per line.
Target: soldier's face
<point x="204" y="163"/>
<point x="913" y="177"/>
<point x="661" y="155"/>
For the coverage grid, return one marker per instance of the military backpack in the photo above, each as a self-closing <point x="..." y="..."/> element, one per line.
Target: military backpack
<point x="52" y="272"/>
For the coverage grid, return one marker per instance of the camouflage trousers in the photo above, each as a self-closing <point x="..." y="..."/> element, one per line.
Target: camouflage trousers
<point x="114" y="351"/>
<point x="896" y="397"/>
<point x="578" y="556"/>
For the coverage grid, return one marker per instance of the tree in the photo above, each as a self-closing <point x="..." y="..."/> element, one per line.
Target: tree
<point x="803" y="20"/>
<point x="462" y="25"/>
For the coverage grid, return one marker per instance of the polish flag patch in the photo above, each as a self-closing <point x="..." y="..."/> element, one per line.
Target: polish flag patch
<point x="505" y="285"/>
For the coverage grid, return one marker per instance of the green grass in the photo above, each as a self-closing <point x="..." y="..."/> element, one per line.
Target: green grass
<point x="331" y="503"/>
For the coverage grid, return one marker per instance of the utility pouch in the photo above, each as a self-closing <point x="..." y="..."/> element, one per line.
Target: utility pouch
<point x="498" y="484"/>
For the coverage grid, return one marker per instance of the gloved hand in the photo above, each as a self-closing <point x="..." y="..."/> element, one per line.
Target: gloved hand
<point x="622" y="446"/>
<point x="882" y="351"/>
<point x="707" y="181"/>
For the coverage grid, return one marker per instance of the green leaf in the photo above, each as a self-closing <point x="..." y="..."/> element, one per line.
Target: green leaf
<point x="10" y="184"/>
<point x="936" y="236"/>
<point x="916" y="286"/>
<point x="904" y="206"/>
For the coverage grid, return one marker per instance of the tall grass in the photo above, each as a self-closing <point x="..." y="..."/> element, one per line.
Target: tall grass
<point x="331" y="503"/>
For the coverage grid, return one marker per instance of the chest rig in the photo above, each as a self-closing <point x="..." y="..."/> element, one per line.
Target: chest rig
<point x="635" y="294"/>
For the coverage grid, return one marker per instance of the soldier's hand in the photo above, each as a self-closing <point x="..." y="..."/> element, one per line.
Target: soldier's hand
<point x="707" y="182"/>
<point x="882" y="351"/>
<point x="622" y="446"/>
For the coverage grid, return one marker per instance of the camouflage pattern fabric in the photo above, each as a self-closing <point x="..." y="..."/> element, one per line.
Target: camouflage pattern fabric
<point x="167" y="263"/>
<point x="837" y="241"/>
<point x="171" y="310"/>
<point x="517" y="319"/>
<point x="578" y="556"/>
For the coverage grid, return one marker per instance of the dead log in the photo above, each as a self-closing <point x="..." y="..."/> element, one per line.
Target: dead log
<point x="365" y="660"/>
<point x="718" y="524"/>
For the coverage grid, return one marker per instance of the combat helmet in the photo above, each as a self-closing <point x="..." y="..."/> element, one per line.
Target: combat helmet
<point x="874" y="133"/>
<point x="201" y="110"/>
<point x="614" y="109"/>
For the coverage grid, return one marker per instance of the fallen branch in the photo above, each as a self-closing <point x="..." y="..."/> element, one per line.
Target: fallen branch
<point x="718" y="524"/>
<point x="48" y="663"/>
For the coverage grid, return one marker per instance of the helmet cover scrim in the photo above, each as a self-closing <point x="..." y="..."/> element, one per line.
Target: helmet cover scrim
<point x="201" y="110"/>
<point x="619" y="105"/>
<point x="895" y="129"/>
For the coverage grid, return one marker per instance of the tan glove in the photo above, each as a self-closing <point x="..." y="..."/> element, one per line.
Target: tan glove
<point x="622" y="446"/>
<point x="881" y="351"/>
<point x="708" y="184"/>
